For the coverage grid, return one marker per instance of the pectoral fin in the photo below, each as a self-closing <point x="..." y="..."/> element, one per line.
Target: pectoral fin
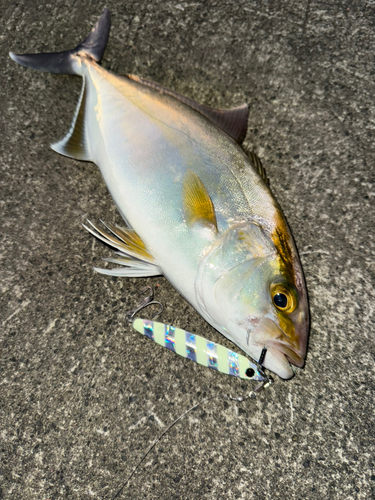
<point x="197" y="204"/>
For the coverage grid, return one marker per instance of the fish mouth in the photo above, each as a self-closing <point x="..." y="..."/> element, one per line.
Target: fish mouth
<point x="281" y="351"/>
<point x="288" y="351"/>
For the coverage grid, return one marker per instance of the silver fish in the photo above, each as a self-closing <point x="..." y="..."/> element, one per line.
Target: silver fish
<point x="198" y="209"/>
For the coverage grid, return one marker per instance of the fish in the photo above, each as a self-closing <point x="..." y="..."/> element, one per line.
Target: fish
<point x="197" y="208"/>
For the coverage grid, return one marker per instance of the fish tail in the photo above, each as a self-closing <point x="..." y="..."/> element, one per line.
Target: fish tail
<point x="68" y="62"/>
<point x="75" y="144"/>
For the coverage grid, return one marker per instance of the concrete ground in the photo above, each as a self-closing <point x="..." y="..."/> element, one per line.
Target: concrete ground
<point x="82" y="395"/>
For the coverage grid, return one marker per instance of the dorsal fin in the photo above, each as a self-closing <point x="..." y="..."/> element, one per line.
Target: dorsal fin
<point x="198" y="206"/>
<point x="232" y="121"/>
<point x="255" y="160"/>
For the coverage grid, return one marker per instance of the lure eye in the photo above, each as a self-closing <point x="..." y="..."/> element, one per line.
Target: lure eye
<point x="283" y="299"/>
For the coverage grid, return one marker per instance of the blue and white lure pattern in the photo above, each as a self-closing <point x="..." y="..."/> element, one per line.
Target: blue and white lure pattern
<point x="200" y="350"/>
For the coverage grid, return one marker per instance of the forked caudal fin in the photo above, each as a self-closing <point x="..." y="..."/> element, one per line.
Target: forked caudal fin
<point x="66" y="62"/>
<point x="74" y="144"/>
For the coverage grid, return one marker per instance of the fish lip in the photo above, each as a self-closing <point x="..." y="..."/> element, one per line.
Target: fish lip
<point x="288" y="350"/>
<point x="278" y="343"/>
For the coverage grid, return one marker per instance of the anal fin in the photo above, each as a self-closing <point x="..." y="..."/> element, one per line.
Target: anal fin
<point x="75" y="145"/>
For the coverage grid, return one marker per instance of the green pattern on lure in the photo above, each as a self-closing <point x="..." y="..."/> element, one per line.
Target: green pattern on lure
<point x="199" y="349"/>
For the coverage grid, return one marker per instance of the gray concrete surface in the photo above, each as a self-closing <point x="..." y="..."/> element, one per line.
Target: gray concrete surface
<point x="82" y="396"/>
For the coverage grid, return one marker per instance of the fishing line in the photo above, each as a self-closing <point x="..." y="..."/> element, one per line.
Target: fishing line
<point x="157" y="441"/>
<point x="252" y="395"/>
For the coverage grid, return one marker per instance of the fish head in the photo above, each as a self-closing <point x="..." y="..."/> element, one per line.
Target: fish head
<point x="250" y="287"/>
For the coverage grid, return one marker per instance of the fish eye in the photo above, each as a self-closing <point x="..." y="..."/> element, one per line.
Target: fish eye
<point x="280" y="300"/>
<point x="284" y="300"/>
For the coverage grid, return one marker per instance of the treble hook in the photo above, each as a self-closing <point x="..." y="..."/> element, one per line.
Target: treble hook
<point x="147" y="301"/>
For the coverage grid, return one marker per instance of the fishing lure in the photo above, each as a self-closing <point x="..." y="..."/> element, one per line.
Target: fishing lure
<point x="200" y="350"/>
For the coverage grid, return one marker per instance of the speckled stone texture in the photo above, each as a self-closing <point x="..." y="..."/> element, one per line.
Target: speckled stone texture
<point x="82" y="395"/>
